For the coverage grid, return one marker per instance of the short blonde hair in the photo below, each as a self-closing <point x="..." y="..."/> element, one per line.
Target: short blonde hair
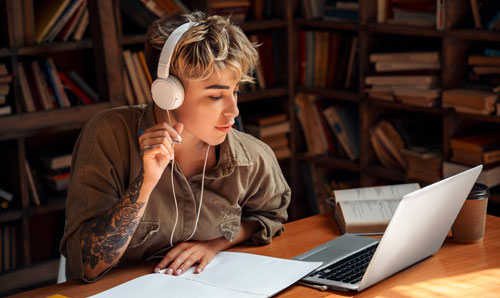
<point x="212" y="46"/>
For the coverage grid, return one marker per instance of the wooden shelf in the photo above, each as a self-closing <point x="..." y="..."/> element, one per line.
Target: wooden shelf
<point x="326" y="24"/>
<point x="475" y="35"/>
<point x="480" y="118"/>
<point x="133" y="39"/>
<point x="336" y="162"/>
<point x="54" y="47"/>
<point x="394" y="174"/>
<point x="404" y="30"/>
<point x="386" y="173"/>
<point x="263" y="25"/>
<point x="6" y="52"/>
<point x="11" y="215"/>
<point x="330" y="93"/>
<point x="262" y="94"/>
<point x="399" y="106"/>
<point x="53" y="204"/>
<point x="20" y="125"/>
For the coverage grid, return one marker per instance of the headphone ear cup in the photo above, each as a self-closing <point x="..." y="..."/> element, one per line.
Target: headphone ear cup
<point x="168" y="93"/>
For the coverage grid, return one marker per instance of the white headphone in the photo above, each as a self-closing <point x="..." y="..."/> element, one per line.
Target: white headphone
<point x="167" y="90"/>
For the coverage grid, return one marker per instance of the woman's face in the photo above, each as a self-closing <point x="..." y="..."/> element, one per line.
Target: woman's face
<point x="209" y="107"/>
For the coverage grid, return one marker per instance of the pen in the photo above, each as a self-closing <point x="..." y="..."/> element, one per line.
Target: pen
<point x="317" y="287"/>
<point x="177" y="140"/>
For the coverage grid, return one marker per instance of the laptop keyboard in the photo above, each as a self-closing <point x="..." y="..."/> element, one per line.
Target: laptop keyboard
<point x="349" y="270"/>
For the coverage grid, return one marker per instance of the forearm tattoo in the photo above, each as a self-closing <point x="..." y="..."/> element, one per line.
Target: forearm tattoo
<point x="103" y="236"/>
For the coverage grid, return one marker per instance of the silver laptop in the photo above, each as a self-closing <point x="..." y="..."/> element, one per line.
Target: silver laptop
<point x="417" y="230"/>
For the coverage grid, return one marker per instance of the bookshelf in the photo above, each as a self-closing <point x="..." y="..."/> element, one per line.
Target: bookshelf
<point x="21" y="134"/>
<point x="454" y="44"/>
<point x="109" y="35"/>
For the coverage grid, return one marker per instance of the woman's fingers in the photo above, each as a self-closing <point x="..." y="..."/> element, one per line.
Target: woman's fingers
<point x="187" y="263"/>
<point x="202" y="264"/>
<point x="172" y="132"/>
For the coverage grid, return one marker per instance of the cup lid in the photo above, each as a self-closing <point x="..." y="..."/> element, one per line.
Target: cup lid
<point x="479" y="191"/>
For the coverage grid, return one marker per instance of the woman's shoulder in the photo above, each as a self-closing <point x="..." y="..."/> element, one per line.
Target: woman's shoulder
<point x="116" y="118"/>
<point x="255" y="148"/>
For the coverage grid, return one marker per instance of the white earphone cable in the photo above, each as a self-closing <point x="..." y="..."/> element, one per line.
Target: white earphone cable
<point x="201" y="195"/>
<point x="175" y="197"/>
<point x="173" y="190"/>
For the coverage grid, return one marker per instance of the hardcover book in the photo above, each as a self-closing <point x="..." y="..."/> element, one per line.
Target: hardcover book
<point x="368" y="210"/>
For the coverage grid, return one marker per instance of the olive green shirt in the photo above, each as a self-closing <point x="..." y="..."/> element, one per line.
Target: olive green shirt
<point x="245" y="185"/>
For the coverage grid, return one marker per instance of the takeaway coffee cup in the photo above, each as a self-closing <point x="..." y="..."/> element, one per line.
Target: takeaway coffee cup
<point x="470" y="222"/>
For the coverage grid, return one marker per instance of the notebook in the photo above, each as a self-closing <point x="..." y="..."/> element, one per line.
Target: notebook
<point x="228" y="275"/>
<point x="416" y="231"/>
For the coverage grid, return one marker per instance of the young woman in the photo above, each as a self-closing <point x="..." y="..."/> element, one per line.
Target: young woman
<point x="176" y="185"/>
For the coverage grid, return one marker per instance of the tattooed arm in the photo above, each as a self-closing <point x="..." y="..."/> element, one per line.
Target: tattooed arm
<point x="105" y="238"/>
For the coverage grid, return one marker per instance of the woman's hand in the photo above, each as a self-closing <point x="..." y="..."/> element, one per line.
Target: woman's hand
<point x="157" y="145"/>
<point x="186" y="254"/>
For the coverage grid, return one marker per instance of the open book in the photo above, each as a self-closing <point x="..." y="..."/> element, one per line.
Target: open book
<point x="229" y="274"/>
<point x="368" y="210"/>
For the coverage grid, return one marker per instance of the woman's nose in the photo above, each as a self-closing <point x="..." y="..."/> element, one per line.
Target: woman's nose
<point x="232" y="110"/>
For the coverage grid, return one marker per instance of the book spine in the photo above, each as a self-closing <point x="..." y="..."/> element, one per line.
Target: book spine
<point x="84" y="86"/>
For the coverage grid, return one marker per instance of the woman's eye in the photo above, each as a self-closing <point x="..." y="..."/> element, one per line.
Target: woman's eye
<point x="216" y="97"/>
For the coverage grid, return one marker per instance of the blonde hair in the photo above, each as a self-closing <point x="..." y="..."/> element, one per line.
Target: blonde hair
<point x="210" y="47"/>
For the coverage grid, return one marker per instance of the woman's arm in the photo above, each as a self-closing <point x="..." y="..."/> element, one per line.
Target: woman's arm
<point x="105" y="238"/>
<point x="186" y="254"/>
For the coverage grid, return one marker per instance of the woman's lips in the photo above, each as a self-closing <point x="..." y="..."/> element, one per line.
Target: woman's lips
<point x="224" y="128"/>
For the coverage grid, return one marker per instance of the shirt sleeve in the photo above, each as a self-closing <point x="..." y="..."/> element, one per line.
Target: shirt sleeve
<point x="268" y="197"/>
<point x="97" y="181"/>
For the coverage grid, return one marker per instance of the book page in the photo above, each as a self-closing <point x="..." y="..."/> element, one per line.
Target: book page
<point x="386" y="192"/>
<point x="229" y="274"/>
<point x="368" y="212"/>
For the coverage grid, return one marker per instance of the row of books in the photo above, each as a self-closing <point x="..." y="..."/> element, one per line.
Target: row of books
<point x="50" y="174"/>
<point x="391" y="144"/>
<point x="8" y="247"/>
<point x="337" y="10"/>
<point x="5" y="199"/>
<point x="327" y="59"/>
<point x="268" y="72"/>
<point x="144" y="12"/>
<point x="272" y="129"/>
<point x="481" y="88"/>
<point x="328" y="130"/>
<point x="5" y="81"/>
<point x="408" y="77"/>
<point x="486" y="14"/>
<point x="43" y="87"/>
<point x="237" y="9"/>
<point x="137" y="79"/>
<point x="60" y="20"/>
<point x="420" y="13"/>
<point x="397" y="144"/>
<point x="476" y="149"/>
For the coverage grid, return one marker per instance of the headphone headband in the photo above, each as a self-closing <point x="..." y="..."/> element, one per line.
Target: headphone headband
<point x="168" y="49"/>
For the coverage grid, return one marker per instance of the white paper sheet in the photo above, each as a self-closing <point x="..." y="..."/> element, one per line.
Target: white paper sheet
<point x="230" y="275"/>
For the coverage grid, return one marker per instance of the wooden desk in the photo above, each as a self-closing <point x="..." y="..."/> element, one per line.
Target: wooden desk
<point x="457" y="270"/>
